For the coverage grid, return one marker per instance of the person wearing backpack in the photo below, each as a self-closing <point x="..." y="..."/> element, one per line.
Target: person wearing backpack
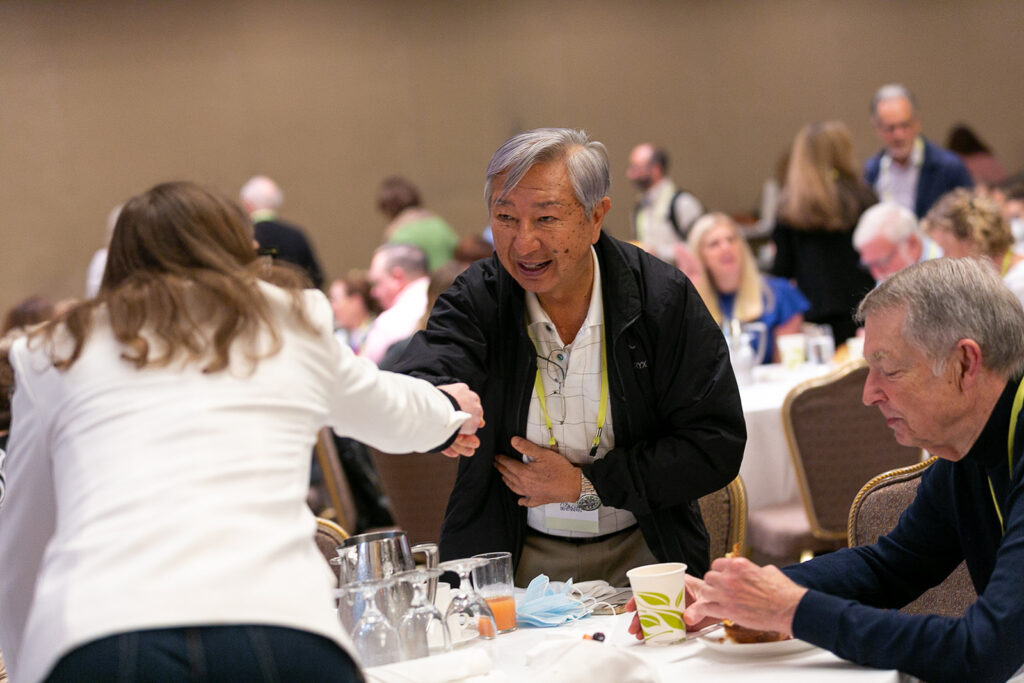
<point x="663" y="213"/>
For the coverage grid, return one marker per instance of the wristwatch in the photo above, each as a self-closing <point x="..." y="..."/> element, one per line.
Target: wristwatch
<point x="589" y="500"/>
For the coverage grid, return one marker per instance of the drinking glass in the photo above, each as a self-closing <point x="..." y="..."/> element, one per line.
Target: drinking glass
<point x="422" y="622"/>
<point x="467" y="613"/>
<point x="493" y="582"/>
<point x="376" y="640"/>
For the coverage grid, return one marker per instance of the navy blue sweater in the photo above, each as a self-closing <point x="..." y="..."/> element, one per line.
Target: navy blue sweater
<point x="851" y="607"/>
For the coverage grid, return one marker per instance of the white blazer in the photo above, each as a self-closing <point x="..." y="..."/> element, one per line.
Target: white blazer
<point x="167" y="497"/>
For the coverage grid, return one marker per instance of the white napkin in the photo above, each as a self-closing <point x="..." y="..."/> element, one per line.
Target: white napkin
<point x="587" y="661"/>
<point x="461" y="665"/>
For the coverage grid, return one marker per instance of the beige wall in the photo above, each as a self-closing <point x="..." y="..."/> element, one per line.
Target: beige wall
<point x="100" y="100"/>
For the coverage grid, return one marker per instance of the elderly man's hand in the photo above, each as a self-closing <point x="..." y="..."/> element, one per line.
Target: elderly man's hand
<point x="735" y="588"/>
<point x="466" y="442"/>
<point x="693" y="588"/>
<point x="550" y="478"/>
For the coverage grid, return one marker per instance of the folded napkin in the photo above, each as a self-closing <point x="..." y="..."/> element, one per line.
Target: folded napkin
<point x="460" y="665"/>
<point x="587" y="661"/>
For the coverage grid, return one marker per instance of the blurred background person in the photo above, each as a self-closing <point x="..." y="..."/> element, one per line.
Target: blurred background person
<point x="354" y="308"/>
<point x="821" y="201"/>
<point x="286" y="243"/>
<point x="398" y="281"/>
<point x="411" y="223"/>
<point x="160" y="452"/>
<point x="94" y="275"/>
<point x="910" y="170"/>
<point x="733" y="289"/>
<point x="966" y="224"/>
<point x="983" y="166"/>
<point x="888" y="240"/>
<point x="663" y="213"/>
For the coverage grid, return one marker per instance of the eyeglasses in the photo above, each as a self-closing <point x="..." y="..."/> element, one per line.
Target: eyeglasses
<point x="555" y="365"/>
<point x="885" y="260"/>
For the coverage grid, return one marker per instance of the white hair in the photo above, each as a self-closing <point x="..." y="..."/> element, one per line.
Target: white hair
<point x="892" y="91"/>
<point x="886" y="219"/>
<point x="260" y="192"/>
<point x="585" y="159"/>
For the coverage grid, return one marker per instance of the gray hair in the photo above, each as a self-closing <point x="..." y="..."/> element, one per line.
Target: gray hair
<point x="947" y="300"/>
<point x="260" y="192"/>
<point x="892" y="91"/>
<point x="886" y="219"/>
<point x="408" y="257"/>
<point x="586" y="160"/>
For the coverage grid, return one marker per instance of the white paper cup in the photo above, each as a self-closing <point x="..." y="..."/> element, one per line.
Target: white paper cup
<point x="855" y="347"/>
<point x="792" y="349"/>
<point x="659" y="591"/>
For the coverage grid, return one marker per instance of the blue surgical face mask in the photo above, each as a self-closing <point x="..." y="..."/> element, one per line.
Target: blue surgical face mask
<point x="543" y="605"/>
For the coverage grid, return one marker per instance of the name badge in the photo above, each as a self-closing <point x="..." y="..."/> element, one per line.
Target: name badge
<point x="568" y="517"/>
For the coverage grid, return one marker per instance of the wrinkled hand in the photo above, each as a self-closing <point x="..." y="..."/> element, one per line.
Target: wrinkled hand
<point x="735" y="588"/>
<point x="466" y="442"/>
<point x="693" y="587"/>
<point x="549" y="479"/>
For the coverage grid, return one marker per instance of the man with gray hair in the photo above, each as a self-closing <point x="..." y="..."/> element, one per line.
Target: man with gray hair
<point x="398" y="278"/>
<point x="888" y="240"/>
<point x="944" y="342"/>
<point x="611" y="403"/>
<point x="286" y="243"/>
<point x="910" y="171"/>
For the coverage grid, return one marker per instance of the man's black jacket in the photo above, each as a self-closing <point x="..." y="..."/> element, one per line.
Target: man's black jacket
<point x="675" y="406"/>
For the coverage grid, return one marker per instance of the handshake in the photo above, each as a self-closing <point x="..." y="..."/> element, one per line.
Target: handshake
<point x="466" y="442"/>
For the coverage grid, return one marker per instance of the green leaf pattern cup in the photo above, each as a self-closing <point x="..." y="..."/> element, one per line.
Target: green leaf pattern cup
<point x="659" y="591"/>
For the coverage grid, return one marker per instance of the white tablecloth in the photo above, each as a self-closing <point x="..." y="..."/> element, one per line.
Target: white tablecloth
<point x="767" y="470"/>
<point x="689" y="661"/>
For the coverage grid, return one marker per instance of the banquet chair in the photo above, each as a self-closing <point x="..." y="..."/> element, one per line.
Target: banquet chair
<point x="417" y="486"/>
<point x="874" y="513"/>
<point x="725" y="517"/>
<point x="835" y="443"/>
<point x="328" y="537"/>
<point x="343" y="507"/>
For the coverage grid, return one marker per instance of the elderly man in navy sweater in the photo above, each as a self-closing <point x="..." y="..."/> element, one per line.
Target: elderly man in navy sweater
<point x="945" y="348"/>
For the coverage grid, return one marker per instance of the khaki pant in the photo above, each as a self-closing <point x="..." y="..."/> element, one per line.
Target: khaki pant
<point x="608" y="558"/>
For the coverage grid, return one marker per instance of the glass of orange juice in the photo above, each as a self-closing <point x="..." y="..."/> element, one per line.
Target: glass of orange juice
<point x="493" y="582"/>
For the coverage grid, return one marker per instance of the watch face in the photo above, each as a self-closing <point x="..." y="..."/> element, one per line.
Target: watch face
<point x="588" y="502"/>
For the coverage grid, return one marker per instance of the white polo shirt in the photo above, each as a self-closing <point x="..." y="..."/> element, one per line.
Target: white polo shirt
<point x="898" y="183"/>
<point x="571" y="374"/>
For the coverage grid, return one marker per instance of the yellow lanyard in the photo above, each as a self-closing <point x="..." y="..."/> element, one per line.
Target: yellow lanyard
<point x="1006" y="263"/>
<point x="602" y="406"/>
<point x="1018" y="402"/>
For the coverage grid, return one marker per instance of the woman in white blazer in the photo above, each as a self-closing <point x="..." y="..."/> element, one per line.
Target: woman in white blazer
<point x="155" y="524"/>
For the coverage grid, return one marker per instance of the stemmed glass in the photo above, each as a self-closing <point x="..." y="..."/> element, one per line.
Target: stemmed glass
<point x="422" y="621"/>
<point x="376" y="640"/>
<point x="468" y="612"/>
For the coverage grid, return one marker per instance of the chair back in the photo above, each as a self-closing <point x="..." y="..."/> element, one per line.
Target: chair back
<point x="836" y="444"/>
<point x="338" y="489"/>
<point x="417" y="486"/>
<point x="874" y="513"/>
<point x="328" y="537"/>
<point x="725" y="517"/>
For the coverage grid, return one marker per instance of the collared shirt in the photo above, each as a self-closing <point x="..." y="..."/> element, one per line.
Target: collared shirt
<point x="572" y="402"/>
<point x="398" y="322"/>
<point x="653" y="225"/>
<point x="2" y="483"/>
<point x="898" y="182"/>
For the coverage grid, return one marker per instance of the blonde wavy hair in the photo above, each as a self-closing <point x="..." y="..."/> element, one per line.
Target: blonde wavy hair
<point x="752" y="293"/>
<point x="972" y="218"/>
<point x="823" y="190"/>
<point x="181" y="282"/>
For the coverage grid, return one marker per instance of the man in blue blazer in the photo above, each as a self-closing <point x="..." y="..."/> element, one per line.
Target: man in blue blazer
<point x="910" y="171"/>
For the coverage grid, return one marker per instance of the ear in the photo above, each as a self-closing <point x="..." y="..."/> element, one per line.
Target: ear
<point x="600" y="211"/>
<point x="966" y="358"/>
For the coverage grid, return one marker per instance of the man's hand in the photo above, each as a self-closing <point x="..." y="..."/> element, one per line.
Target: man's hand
<point x="693" y="587"/>
<point x="466" y="442"/>
<point x="735" y="588"/>
<point x="550" y="478"/>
